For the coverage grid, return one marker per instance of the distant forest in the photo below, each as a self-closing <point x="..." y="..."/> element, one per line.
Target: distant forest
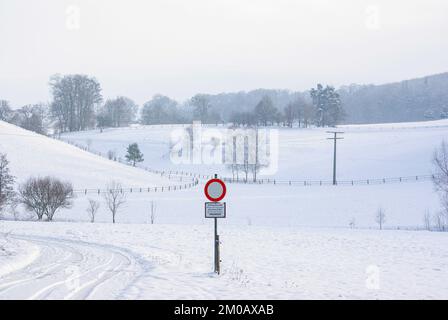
<point x="410" y="100"/>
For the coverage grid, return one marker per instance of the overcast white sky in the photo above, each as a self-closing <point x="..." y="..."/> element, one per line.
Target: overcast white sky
<point x="178" y="47"/>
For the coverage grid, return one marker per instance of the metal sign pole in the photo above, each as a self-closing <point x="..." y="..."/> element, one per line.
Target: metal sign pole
<point x="215" y="191"/>
<point x="216" y="247"/>
<point x="216" y="243"/>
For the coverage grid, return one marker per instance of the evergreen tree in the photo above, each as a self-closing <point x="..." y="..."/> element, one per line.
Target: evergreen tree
<point x="7" y="193"/>
<point x="134" y="155"/>
<point x="328" y="106"/>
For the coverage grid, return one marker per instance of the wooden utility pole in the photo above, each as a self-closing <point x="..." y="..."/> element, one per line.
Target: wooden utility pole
<point x="335" y="138"/>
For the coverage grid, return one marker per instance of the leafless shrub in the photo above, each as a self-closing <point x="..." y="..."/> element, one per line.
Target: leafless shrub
<point x="44" y="196"/>
<point x="352" y="223"/>
<point x="440" y="223"/>
<point x="427" y="220"/>
<point x="440" y="161"/>
<point x="114" y="198"/>
<point x="380" y="217"/>
<point x="89" y="144"/>
<point x="111" y="155"/>
<point x="92" y="209"/>
<point x="153" y="208"/>
<point x="13" y="209"/>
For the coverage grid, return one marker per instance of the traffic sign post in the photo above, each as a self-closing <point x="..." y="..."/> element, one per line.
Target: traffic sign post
<point x="215" y="190"/>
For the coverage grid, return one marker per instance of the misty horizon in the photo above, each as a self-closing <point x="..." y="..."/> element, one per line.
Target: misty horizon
<point x="163" y="47"/>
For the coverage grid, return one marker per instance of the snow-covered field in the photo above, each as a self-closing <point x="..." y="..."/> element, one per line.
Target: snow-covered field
<point x="127" y="261"/>
<point x="367" y="151"/>
<point x="370" y="151"/>
<point x="279" y="241"/>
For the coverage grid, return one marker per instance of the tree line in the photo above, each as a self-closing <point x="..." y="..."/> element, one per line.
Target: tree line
<point x="78" y="104"/>
<point x="324" y="109"/>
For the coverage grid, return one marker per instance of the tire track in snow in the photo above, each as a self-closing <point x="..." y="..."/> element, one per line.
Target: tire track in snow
<point x="98" y="264"/>
<point x="41" y="270"/>
<point x="105" y="272"/>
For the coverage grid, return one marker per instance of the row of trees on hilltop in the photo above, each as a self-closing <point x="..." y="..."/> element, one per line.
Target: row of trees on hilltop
<point x="30" y="117"/>
<point x="324" y="109"/>
<point x="78" y="104"/>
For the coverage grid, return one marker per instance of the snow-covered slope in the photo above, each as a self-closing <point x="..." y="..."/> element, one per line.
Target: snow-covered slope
<point x="371" y="151"/>
<point x="31" y="154"/>
<point x="389" y="151"/>
<point x="367" y="151"/>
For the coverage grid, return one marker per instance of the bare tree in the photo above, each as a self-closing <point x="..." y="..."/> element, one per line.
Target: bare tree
<point x="114" y="197"/>
<point x="13" y="209"/>
<point x="153" y="208"/>
<point x="439" y="221"/>
<point x="75" y="98"/>
<point x="352" y="223"/>
<point x="44" y="196"/>
<point x="7" y="193"/>
<point x="440" y="179"/>
<point x="444" y="212"/>
<point x="380" y="217"/>
<point x="427" y="221"/>
<point x="5" y="111"/>
<point x="111" y="155"/>
<point x="440" y="161"/>
<point x="117" y="112"/>
<point x="92" y="209"/>
<point x="202" y="106"/>
<point x="89" y="144"/>
<point x="31" y="117"/>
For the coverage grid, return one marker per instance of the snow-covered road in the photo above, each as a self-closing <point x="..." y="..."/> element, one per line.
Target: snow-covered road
<point x="67" y="269"/>
<point x="142" y="261"/>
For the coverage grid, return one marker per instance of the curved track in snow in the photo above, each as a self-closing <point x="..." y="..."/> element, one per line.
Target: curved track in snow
<point x="72" y="269"/>
<point x="68" y="269"/>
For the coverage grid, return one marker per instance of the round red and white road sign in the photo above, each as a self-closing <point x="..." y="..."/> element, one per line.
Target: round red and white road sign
<point x="215" y="190"/>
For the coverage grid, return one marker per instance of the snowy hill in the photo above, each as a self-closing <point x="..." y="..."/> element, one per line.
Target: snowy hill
<point x="31" y="154"/>
<point x="370" y="151"/>
<point x="367" y="151"/>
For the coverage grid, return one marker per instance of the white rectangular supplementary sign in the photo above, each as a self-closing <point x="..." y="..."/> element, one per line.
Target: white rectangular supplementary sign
<point x="215" y="209"/>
